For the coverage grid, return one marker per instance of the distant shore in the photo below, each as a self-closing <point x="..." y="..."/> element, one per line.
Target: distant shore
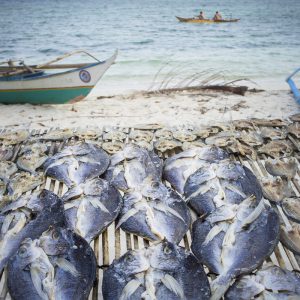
<point x="176" y="109"/>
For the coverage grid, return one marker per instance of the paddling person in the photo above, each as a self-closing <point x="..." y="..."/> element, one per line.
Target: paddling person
<point x="201" y="16"/>
<point x="217" y="16"/>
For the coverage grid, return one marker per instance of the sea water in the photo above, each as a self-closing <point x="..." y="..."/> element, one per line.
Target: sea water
<point x="154" y="48"/>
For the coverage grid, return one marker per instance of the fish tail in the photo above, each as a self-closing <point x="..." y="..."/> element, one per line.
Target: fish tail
<point x="220" y="285"/>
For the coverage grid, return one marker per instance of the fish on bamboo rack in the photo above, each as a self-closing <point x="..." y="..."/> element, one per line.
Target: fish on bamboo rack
<point x="219" y="184"/>
<point x="272" y="133"/>
<point x="57" y="135"/>
<point x="294" y="129"/>
<point x="141" y="136"/>
<point x="7" y="169"/>
<point x="91" y="207"/>
<point x="27" y="218"/>
<point x="6" y="153"/>
<point x="77" y="163"/>
<point x="88" y="134"/>
<point x="179" y="167"/>
<point x="164" y="134"/>
<point x="235" y="240"/>
<point x="14" y="137"/>
<point x="276" y="149"/>
<point x="114" y="135"/>
<point x="184" y="135"/>
<point x="162" y="271"/>
<point x="269" y="122"/>
<point x="291" y="208"/>
<point x="165" y="216"/>
<point x="58" y="265"/>
<point x="290" y="237"/>
<point x="164" y="145"/>
<point x="269" y="282"/>
<point x="280" y="167"/>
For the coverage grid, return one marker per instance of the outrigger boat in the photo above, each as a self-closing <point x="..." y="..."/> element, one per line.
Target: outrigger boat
<point x="33" y="84"/>
<point x="293" y="86"/>
<point x="207" y="21"/>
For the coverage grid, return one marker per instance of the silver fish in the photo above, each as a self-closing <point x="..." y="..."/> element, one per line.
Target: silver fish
<point x="278" y="167"/>
<point x="162" y="271"/>
<point x="179" y="167"/>
<point x="271" y="281"/>
<point x="219" y="184"/>
<point x="235" y="240"/>
<point x="95" y="205"/>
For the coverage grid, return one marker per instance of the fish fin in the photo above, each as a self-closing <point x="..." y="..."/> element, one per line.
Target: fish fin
<point x="70" y="205"/>
<point x="220" y="285"/>
<point x="130" y="289"/>
<point x="165" y="208"/>
<point x="235" y="190"/>
<point x="37" y="283"/>
<point x="212" y="233"/>
<point x="67" y="266"/>
<point x="254" y="214"/>
<point x="98" y="204"/>
<point x="126" y="216"/>
<point x="173" y="285"/>
<point x="201" y="190"/>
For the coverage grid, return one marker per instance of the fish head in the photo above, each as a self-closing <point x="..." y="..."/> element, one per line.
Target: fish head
<point x="230" y="170"/>
<point x="54" y="241"/>
<point x="28" y="252"/>
<point x="153" y="188"/>
<point x="133" y="262"/>
<point x="212" y="153"/>
<point x="165" y="256"/>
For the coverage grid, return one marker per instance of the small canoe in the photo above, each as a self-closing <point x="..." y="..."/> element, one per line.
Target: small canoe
<point x="205" y="21"/>
<point x="36" y="85"/>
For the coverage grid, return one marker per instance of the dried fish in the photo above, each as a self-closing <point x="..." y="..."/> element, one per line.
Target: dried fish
<point x="57" y="135"/>
<point x="164" y="134"/>
<point x="235" y="240"/>
<point x="164" y="145"/>
<point x="184" y="135"/>
<point x="242" y="124"/>
<point x="276" y="149"/>
<point x="295" y="118"/>
<point x="14" y="137"/>
<point x="242" y="149"/>
<point x="88" y="134"/>
<point x="223" y="138"/>
<point x="291" y="207"/>
<point x="290" y="237"/>
<point x="7" y="168"/>
<point x="275" y="189"/>
<point x="6" y="154"/>
<point x="272" y="133"/>
<point x="220" y="184"/>
<point x="279" y="167"/>
<point x="251" y="138"/>
<point x="112" y="147"/>
<point x="141" y="135"/>
<point x="269" y="123"/>
<point x="294" y="129"/>
<point x="193" y="144"/>
<point x="179" y="167"/>
<point x="114" y="135"/>
<point x="163" y="271"/>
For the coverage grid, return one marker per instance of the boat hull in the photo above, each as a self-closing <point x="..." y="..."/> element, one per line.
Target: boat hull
<point x="59" y="88"/>
<point x="206" y="21"/>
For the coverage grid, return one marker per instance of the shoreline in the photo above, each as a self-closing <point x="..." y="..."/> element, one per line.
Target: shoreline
<point x="175" y="110"/>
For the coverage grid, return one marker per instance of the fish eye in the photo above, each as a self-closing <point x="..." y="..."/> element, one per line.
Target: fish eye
<point x="129" y="258"/>
<point x="155" y="184"/>
<point x="167" y="250"/>
<point x="22" y="251"/>
<point x="231" y="166"/>
<point x="55" y="235"/>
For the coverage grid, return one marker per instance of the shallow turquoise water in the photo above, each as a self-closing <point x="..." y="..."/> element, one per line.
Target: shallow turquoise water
<point x="264" y="46"/>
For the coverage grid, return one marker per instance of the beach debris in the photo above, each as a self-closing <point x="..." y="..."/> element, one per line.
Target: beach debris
<point x="77" y="163"/>
<point x="112" y="147"/>
<point x="6" y="153"/>
<point x="19" y="224"/>
<point x="275" y="189"/>
<point x="179" y="167"/>
<point x="91" y="207"/>
<point x="23" y="182"/>
<point x="7" y="169"/>
<point x="291" y="207"/>
<point x="184" y="135"/>
<point x="269" y="282"/>
<point x="235" y="240"/>
<point x="290" y="237"/>
<point x="164" y="217"/>
<point x="88" y="134"/>
<point x="164" y="134"/>
<point x="114" y="135"/>
<point x="164" y="145"/>
<point x="14" y="137"/>
<point x="57" y="135"/>
<point x="219" y="184"/>
<point x="32" y="157"/>
<point x="295" y="118"/>
<point x="58" y="265"/>
<point x="162" y="271"/>
<point x="276" y="149"/>
<point x="269" y="122"/>
<point x="294" y="129"/>
<point x="280" y="167"/>
<point x="141" y="136"/>
<point x="272" y="133"/>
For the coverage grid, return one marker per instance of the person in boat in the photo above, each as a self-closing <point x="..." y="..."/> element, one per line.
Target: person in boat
<point x="217" y="16"/>
<point x="201" y="16"/>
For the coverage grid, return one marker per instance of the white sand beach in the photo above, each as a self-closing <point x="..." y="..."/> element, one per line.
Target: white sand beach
<point x="176" y="109"/>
